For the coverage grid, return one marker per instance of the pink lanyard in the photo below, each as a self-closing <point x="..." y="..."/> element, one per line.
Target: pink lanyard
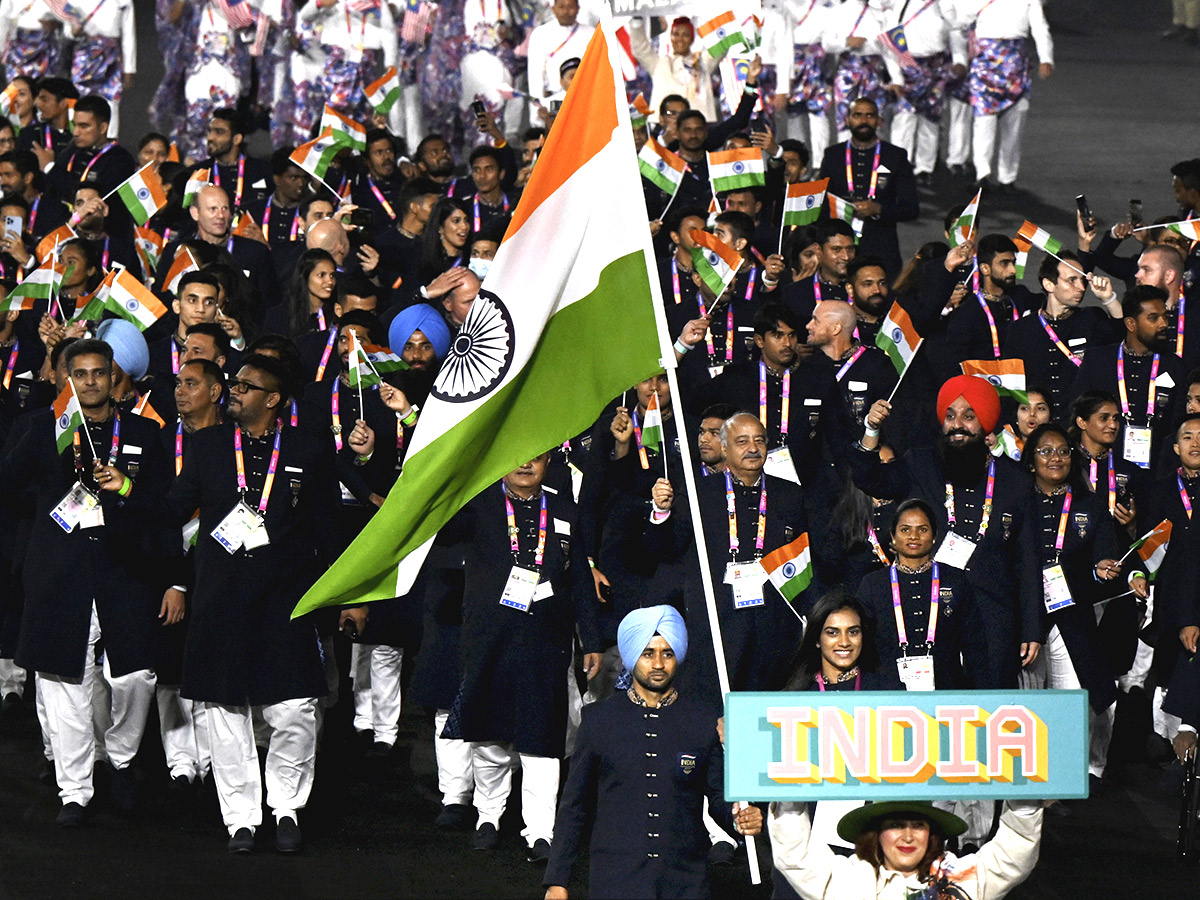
<point x="387" y="207"/>
<point x="1150" y="391"/>
<point x="1178" y="324"/>
<point x="708" y="338"/>
<point x="95" y="159"/>
<point x="269" y="481"/>
<point x="336" y="418"/>
<point x="241" y="179"/>
<point x="987" y="502"/>
<point x="1057" y="341"/>
<point x="934" y="597"/>
<point x="731" y="507"/>
<point x="1061" y="536"/>
<point x="1093" y="481"/>
<point x="637" y="436"/>
<point x="675" y="281"/>
<point x="841" y="373"/>
<point x="514" y="532"/>
<point x="326" y="353"/>
<point x="11" y="365"/>
<point x="1183" y="494"/>
<point x="873" y="539"/>
<point x="266" y="222"/>
<point x="907" y="21"/>
<point x="785" y="406"/>
<point x="857" y="681"/>
<point x="874" y="170"/>
<point x="174" y="357"/>
<point x="178" y="447"/>
<point x="478" y="218"/>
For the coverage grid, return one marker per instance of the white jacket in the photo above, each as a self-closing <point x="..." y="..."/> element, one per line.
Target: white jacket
<point x="817" y="873"/>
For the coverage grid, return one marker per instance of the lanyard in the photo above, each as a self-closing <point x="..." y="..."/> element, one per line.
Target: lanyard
<point x="387" y="207"/>
<point x="857" y="681"/>
<point x="178" y="447"/>
<point x="785" y="406"/>
<point x="804" y="19"/>
<point x="874" y="170"/>
<point x="95" y="159"/>
<point x="675" y="281"/>
<point x="574" y="28"/>
<point x="858" y="21"/>
<point x="295" y="414"/>
<point x="1183" y="494"/>
<point x="816" y="288"/>
<point x="1062" y="525"/>
<point x="114" y="449"/>
<point x="241" y="466"/>
<point x="637" y="436"/>
<point x="928" y="3"/>
<point x="174" y="356"/>
<point x="708" y="338"/>
<point x="321" y="324"/>
<point x="12" y="364"/>
<point x="731" y="506"/>
<point x="83" y="24"/>
<point x="1150" y="391"/>
<point x="1093" y="480"/>
<point x="104" y="255"/>
<point x="33" y="210"/>
<point x="514" y="533"/>
<point x="241" y="179"/>
<point x="266" y="222"/>
<point x="987" y="502"/>
<point x="478" y="220"/>
<point x="327" y="352"/>
<point x="991" y="324"/>
<point x="873" y="539"/>
<point x="336" y="417"/>
<point x="1057" y="341"/>
<point x="934" y="597"/>
<point x="841" y="373"/>
<point x="1178" y="324"/>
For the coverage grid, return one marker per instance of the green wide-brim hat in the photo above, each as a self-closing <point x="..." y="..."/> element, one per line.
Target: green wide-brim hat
<point x="853" y="823"/>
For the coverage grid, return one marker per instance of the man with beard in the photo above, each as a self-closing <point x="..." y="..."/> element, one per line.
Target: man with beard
<point x="420" y="335"/>
<point x="377" y="188"/>
<point x="863" y="373"/>
<point x="836" y="240"/>
<point x="978" y="326"/>
<point x="1053" y="341"/>
<point x="435" y="163"/>
<point x="867" y="290"/>
<point x="278" y="216"/>
<point x="799" y="406"/>
<point x="650" y="730"/>
<point x="245" y="178"/>
<point x="400" y="245"/>
<point x="1142" y="372"/>
<point x="877" y="178"/>
<point x="1162" y="266"/>
<point x="708" y="440"/>
<point x="984" y="513"/>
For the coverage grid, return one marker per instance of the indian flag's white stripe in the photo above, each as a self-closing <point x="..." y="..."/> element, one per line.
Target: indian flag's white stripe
<point x="1006" y="375"/>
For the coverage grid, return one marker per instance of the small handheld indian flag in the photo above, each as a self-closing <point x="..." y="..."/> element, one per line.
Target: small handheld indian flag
<point x="344" y="129"/>
<point x="1040" y="238"/>
<point x="383" y="93"/>
<point x="731" y="169"/>
<point x="1008" y="443"/>
<point x="716" y="262"/>
<point x="1152" y="547"/>
<point x="183" y="263"/>
<point x="789" y="568"/>
<point x="68" y="416"/>
<point x="197" y="181"/>
<point x="661" y="166"/>
<point x="143" y="194"/>
<point x="315" y="156"/>
<point x="652" y="430"/>
<point x="40" y="284"/>
<point x="1007" y="376"/>
<point x="721" y="34"/>
<point x="1189" y="228"/>
<point x="358" y="370"/>
<point x="132" y="300"/>
<point x="146" y="411"/>
<point x="48" y="245"/>
<point x="1022" y="256"/>
<point x="844" y="210"/>
<point x="751" y="29"/>
<point x="382" y="359"/>
<point x="149" y="245"/>
<point x="964" y="225"/>
<point x="802" y="202"/>
<point x="90" y="307"/>
<point x="898" y="338"/>
<point x="639" y="112"/>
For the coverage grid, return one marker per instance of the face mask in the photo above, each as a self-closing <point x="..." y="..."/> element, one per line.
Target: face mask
<point x="479" y="266"/>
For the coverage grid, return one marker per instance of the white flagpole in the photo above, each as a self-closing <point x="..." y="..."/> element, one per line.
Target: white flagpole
<point x="920" y="344"/>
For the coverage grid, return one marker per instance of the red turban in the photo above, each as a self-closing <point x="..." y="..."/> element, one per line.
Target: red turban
<point x="976" y="391"/>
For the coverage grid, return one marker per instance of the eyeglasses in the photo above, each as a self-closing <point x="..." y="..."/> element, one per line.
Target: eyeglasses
<point x="1047" y="452"/>
<point x="242" y="387"/>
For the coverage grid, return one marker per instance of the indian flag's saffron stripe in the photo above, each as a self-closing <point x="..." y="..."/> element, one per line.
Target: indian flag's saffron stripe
<point x="789" y="567"/>
<point x="383" y="93"/>
<point x="315" y="156"/>
<point x="183" y="263"/>
<point x="132" y="300"/>
<point x="802" y="202"/>
<point x="344" y="128"/>
<point x="46" y="246"/>
<point x="720" y="34"/>
<point x="143" y="194"/>
<point x="568" y="291"/>
<point x="68" y="416"/>
<point x="661" y="166"/>
<point x="732" y="169"/>
<point x="1022" y="257"/>
<point x="149" y="247"/>
<point x="1040" y="238"/>
<point x="1007" y="376"/>
<point x="898" y="338"/>
<point x="964" y="225"/>
<point x="196" y="182"/>
<point x="716" y="262"/>
<point x="1152" y="547"/>
<point x="844" y="210"/>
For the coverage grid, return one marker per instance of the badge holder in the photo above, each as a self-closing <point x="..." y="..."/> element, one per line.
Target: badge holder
<point x="916" y="672"/>
<point x="1055" y="589"/>
<point x="76" y="506"/>
<point x="955" y="551"/>
<point x="520" y="588"/>
<point x="1137" y="445"/>
<point x="231" y="531"/>
<point x="747" y="581"/>
<point x="779" y="463"/>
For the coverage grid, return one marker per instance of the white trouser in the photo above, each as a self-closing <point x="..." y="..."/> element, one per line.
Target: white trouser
<point x="978" y="814"/>
<point x="12" y="678"/>
<point x="183" y="726"/>
<point x="815" y="129"/>
<point x="716" y="834"/>
<point x="574" y="711"/>
<point x="494" y="764"/>
<point x="1136" y="676"/>
<point x="1011" y="125"/>
<point x="1165" y="724"/>
<point x="1053" y="669"/>
<point x="456" y="776"/>
<point x="39" y="703"/>
<point x="375" y="671"/>
<point x="919" y="138"/>
<point x="291" y="759"/>
<point x="959" y="123"/>
<point x="68" y="719"/>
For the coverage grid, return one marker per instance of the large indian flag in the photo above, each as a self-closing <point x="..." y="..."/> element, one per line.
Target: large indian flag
<point x="568" y="292"/>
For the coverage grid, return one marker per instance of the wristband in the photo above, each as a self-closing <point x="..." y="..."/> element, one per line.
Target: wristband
<point x="681" y="347"/>
<point x="868" y="431"/>
<point x="769" y="281"/>
<point x="363" y="460"/>
<point x="591" y="562"/>
<point x="411" y="418"/>
<point x="126" y="488"/>
<point x="1135" y="574"/>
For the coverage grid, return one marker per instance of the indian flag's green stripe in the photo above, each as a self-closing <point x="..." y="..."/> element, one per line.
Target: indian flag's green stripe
<point x="653" y="175"/>
<point x="527" y="416"/>
<point x="725" y="183"/>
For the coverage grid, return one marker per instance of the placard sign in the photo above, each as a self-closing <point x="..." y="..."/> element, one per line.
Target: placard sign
<point x="895" y="745"/>
<point x="652" y="8"/>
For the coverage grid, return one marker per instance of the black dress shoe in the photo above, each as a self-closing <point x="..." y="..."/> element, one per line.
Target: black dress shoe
<point x="70" y="816"/>
<point x="287" y="835"/>
<point x="379" y="750"/>
<point x="124" y="789"/>
<point x="487" y="838"/>
<point x="242" y="841"/>
<point x="454" y="816"/>
<point x="924" y="178"/>
<point x="539" y="853"/>
<point x="49" y="776"/>
<point x="12" y="704"/>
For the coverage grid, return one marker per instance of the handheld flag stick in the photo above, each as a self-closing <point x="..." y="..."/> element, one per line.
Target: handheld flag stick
<point x="920" y="344"/>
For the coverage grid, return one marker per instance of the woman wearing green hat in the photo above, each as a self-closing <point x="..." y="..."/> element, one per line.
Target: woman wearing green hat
<point x="900" y="853"/>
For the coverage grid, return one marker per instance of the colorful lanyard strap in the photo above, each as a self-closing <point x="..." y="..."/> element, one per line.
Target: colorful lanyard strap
<point x="295" y="414"/>
<point x="326" y="353"/>
<point x="478" y="217"/>
<point x="786" y="404"/>
<point x="1094" y="478"/>
<point x="1178" y="324"/>
<point x="1183" y="494"/>
<point x="991" y="324"/>
<point x="1124" y="393"/>
<point x="708" y="336"/>
<point x="11" y="365"/>
<point x="731" y="506"/>
<point x="857" y="681"/>
<point x="514" y="533"/>
<point x="174" y="356"/>
<point x="816" y="288"/>
<point x="841" y="373"/>
<point x="1061" y="535"/>
<point x="322" y="324"/>
<point x="335" y="416"/>
<point x="33" y="210"/>
<point x="874" y="172"/>
<point x="934" y="598"/>
<point x="95" y="159"/>
<point x="987" y="502"/>
<point x="113" y="451"/>
<point x="858" y="21"/>
<point x="1057" y="341"/>
<point x="678" y="294"/>
<point x="637" y="436"/>
<point x="566" y="40"/>
<point x="241" y="179"/>
<point x="269" y="481"/>
<point x="873" y="539"/>
<point x="266" y="222"/>
<point x="387" y="207"/>
<point x="906" y="22"/>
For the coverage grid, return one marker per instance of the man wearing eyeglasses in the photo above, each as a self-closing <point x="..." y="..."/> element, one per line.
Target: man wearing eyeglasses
<point x="265" y="493"/>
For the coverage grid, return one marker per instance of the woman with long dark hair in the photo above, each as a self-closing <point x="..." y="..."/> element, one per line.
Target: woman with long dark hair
<point x="445" y="238"/>
<point x="310" y="299"/>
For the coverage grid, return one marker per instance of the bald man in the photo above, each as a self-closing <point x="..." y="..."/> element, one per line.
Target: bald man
<point x="863" y="373"/>
<point x="993" y="542"/>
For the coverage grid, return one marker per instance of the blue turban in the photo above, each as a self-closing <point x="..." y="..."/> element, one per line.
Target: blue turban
<point x="423" y="318"/>
<point x="639" y="627"/>
<point x="128" y="346"/>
